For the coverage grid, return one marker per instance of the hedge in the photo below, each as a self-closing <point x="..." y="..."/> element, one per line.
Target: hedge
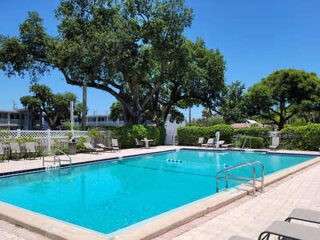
<point x="190" y="135"/>
<point x="302" y="137"/>
<point x="254" y="132"/>
<point x="127" y="134"/>
<point x="252" y="142"/>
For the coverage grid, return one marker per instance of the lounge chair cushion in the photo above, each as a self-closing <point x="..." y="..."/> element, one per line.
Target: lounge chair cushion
<point x="305" y="215"/>
<point x="292" y="230"/>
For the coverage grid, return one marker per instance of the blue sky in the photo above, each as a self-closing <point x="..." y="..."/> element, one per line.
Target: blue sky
<point x="256" y="37"/>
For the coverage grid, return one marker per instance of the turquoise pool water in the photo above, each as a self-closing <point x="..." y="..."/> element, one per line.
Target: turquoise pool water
<point x="109" y="196"/>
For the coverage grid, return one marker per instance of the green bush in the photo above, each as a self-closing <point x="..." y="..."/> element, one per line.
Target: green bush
<point x="80" y="144"/>
<point x="94" y="133"/>
<point x="254" y="132"/>
<point x="301" y="137"/>
<point x="190" y="135"/>
<point x="127" y="134"/>
<point x="252" y="142"/>
<point x="153" y="133"/>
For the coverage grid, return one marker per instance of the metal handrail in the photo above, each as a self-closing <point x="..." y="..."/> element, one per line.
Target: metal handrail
<point x="62" y="160"/>
<point x="57" y="158"/>
<point x="239" y="179"/>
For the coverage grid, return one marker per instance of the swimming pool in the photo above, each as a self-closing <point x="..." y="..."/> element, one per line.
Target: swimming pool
<point x="108" y="196"/>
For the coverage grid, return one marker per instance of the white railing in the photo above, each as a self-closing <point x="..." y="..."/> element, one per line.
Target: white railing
<point x="46" y="137"/>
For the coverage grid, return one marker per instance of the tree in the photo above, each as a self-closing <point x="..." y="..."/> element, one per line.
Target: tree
<point x="283" y="94"/>
<point x="128" y="48"/>
<point x="232" y="103"/>
<point x="54" y="107"/>
<point x="195" y="75"/>
<point x="116" y="111"/>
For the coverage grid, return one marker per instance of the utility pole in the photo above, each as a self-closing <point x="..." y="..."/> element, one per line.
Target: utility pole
<point x="189" y="116"/>
<point x="84" y="106"/>
<point x="71" y="115"/>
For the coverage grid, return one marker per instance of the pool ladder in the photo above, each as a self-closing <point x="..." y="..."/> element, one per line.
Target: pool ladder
<point x="239" y="179"/>
<point x="58" y="159"/>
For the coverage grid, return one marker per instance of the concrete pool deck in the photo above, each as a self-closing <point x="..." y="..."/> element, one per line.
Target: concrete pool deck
<point x="180" y="217"/>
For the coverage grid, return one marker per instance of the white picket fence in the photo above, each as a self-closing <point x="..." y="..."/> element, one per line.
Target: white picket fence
<point x="47" y="136"/>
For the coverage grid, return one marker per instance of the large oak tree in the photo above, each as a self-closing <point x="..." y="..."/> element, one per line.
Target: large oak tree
<point x="132" y="49"/>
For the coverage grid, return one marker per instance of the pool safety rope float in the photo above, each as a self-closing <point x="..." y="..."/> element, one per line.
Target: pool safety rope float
<point x="174" y="161"/>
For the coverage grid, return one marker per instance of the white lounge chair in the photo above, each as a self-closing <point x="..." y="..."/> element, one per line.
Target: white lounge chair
<point x="138" y="144"/>
<point x="275" y="143"/>
<point x="210" y="143"/>
<point x="286" y="230"/>
<point x="114" y="144"/>
<point x="104" y="147"/>
<point x="15" y="149"/>
<point x="90" y="148"/>
<point x="30" y="148"/>
<point x="219" y="143"/>
<point x="305" y="215"/>
<point x="2" y="151"/>
<point x="200" y="141"/>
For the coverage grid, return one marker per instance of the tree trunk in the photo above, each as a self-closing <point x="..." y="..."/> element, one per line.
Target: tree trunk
<point x="84" y="106"/>
<point x="281" y="123"/>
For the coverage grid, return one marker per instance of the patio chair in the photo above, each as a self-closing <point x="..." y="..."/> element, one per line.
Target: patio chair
<point x="219" y="143"/>
<point x="275" y="143"/>
<point x="289" y="230"/>
<point x="2" y="151"/>
<point x="228" y="145"/>
<point x="114" y="144"/>
<point x="200" y="141"/>
<point x="286" y="230"/>
<point x="305" y="215"/>
<point x="138" y="143"/>
<point x="90" y="148"/>
<point x="15" y="149"/>
<point x="210" y="143"/>
<point x="30" y="148"/>
<point x="239" y="238"/>
<point x="104" y="147"/>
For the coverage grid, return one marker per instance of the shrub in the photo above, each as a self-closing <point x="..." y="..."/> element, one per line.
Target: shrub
<point x="254" y="132"/>
<point x="127" y="134"/>
<point x="301" y="137"/>
<point x="80" y="144"/>
<point x="190" y="135"/>
<point x="94" y="133"/>
<point x="252" y="142"/>
<point x="153" y="133"/>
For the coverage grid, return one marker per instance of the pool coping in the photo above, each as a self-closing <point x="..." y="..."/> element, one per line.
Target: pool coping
<point x="155" y="226"/>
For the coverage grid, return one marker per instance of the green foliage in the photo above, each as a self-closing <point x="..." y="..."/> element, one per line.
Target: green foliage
<point x="207" y="122"/>
<point x="190" y="135"/>
<point x="284" y="94"/>
<point x="231" y="105"/>
<point x="54" y="107"/>
<point x="67" y="126"/>
<point x="254" y="132"/>
<point x="94" y="133"/>
<point x="153" y="133"/>
<point x="127" y="134"/>
<point x="252" y="142"/>
<point x="134" y="50"/>
<point x="116" y="111"/>
<point x="80" y="144"/>
<point x="301" y="137"/>
<point x="23" y="140"/>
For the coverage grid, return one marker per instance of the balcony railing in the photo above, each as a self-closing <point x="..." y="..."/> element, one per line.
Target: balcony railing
<point x="4" y="120"/>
